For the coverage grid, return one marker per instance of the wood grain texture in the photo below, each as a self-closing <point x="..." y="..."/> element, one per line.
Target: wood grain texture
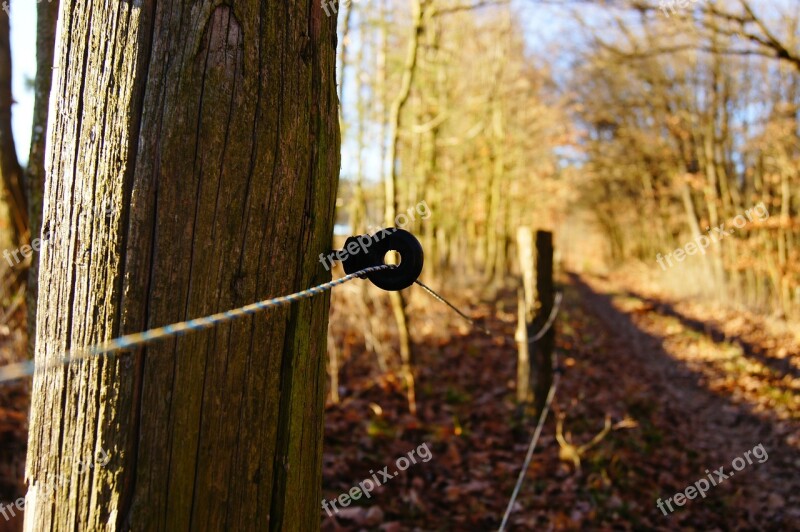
<point x="46" y="19"/>
<point x="211" y="130"/>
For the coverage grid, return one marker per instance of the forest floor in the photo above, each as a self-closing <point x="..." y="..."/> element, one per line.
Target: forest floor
<point x="15" y="400"/>
<point x="688" y="388"/>
<point x="685" y="394"/>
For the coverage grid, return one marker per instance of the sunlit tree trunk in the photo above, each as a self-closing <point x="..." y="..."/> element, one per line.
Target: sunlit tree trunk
<point x="46" y="19"/>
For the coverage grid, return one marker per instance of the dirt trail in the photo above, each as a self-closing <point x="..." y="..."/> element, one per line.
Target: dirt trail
<point x="681" y="401"/>
<point x="706" y="392"/>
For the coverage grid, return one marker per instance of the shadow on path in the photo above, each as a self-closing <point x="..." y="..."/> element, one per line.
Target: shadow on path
<point x="780" y="366"/>
<point x="713" y="428"/>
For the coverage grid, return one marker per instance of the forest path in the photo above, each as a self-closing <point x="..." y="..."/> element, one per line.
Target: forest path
<point x="718" y="387"/>
<point x="699" y="394"/>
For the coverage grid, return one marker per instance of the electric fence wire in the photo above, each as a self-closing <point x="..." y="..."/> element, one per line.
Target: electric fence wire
<point x="548" y="400"/>
<point x="28" y="368"/>
<point x="551" y="393"/>
<point x="532" y="446"/>
<point x="443" y="300"/>
<point x="550" y="319"/>
<point x="537" y="337"/>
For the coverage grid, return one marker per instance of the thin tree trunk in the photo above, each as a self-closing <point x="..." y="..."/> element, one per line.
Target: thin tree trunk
<point x="46" y="19"/>
<point x="213" y="135"/>
<point x="380" y="82"/>
<point x="390" y="211"/>
<point x="10" y="170"/>
<point x="396" y="110"/>
<point x="694" y="226"/>
<point x="348" y="13"/>
<point x="358" y="206"/>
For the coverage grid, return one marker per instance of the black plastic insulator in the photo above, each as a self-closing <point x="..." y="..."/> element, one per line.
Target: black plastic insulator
<point x="365" y="251"/>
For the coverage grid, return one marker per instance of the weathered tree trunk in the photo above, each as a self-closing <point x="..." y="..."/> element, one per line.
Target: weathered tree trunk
<point x="46" y="19"/>
<point x="192" y="163"/>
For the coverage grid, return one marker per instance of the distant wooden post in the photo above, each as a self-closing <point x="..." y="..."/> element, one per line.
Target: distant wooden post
<point x="543" y="348"/>
<point x="525" y="307"/>
<point x="333" y="367"/>
<point x="527" y="267"/>
<point x="524" y="394"/>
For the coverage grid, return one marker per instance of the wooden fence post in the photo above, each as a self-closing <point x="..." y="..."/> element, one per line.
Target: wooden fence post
<point x="543" y="348"/>
<point x="525" y="308"/>
<point x="527" y="267"/>
<point x="524" y="394"/>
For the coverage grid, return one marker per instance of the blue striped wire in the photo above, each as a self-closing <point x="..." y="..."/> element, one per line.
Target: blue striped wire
<point x="28" y="368"/>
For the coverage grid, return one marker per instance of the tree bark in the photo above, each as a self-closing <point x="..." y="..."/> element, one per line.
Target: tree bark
<point x="192" y="163"/>
<point x="46" y="19"/>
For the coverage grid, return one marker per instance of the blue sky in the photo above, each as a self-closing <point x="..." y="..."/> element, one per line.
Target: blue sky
<point x="23" y="60"/>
